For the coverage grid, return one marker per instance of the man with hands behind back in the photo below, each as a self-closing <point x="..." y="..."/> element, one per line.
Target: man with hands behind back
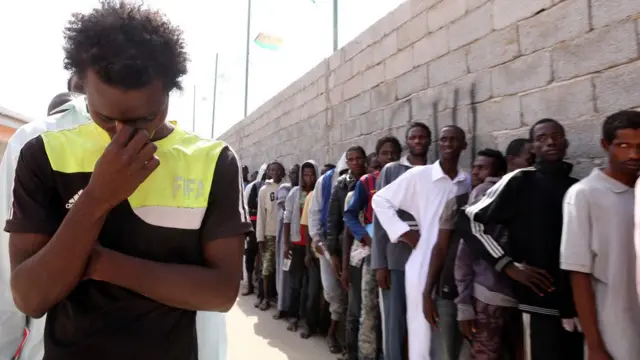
<point x="118" y="232"/>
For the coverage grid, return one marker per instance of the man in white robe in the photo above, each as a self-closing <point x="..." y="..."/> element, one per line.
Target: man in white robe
<point x="422" y="192"/>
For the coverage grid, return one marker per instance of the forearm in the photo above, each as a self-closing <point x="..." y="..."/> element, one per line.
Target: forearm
<point x="47" y="277"/>
<point x="188" y="287"/>
<point x="586" y="306"/>
<point x="286" y="233"/>
<point x="346" y="250"/>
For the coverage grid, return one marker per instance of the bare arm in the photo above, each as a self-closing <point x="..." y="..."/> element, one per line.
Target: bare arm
<point x="213" y="287"/>
<point x="48" y="256"/>
<point x="586" y="307"/>
<point x="39" y="280"/>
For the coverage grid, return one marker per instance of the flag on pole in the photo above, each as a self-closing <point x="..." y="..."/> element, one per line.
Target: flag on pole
<point x="267" y="41"/>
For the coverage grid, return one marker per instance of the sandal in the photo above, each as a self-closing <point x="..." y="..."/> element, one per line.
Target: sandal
<point x="266" y="305"/>
<point x="334" y="345"/>
<point x="306" y="333"/>
<point x="279" y="315"/>
<point x="293" y="327"/>
<point x="258" y="303"/>
<point x="248" y="291"/>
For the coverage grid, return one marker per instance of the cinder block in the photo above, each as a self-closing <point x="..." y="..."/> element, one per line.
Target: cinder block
<point x="424" y="105"/>
<point x="565" y="21"/>
<point x="350" y="128"/>
<point x="564" y="102"/>
<point x="419" y="6"/>
<point x="384" y="48"/>
<point x="494" y="49"/>
<point x="507" y="12"/>
<point x="383" y="94"/>
<point x="362" y="61"/>
<point x="412" y="82"/>
<point x="498" y="114"/>
<point x="472" y="4"/>
<point x="449" y="67"/>
<point x="618" y="89"/>
<point x="353" y="87"/>
<point x="373" y="76"/>
<point x="412" y="31"/>
<point x="445" y="12"/>
<point x="584" y="137"/>
<point x="605" y="12"/>
<point x="472" y="88"/>
<point x="360" y="104"/>
<point x="523" y="74"/>
<point x="471" y="27"/>
<point x="397" y="114"/>
<point x="372" y="121"/>
<point x="595" y="51"/>
<point x="398" y="64"/>
<point x="430" y="47"/>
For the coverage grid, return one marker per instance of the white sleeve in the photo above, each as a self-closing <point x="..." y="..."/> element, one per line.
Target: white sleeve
<point x="262" y="215"/>
<point x="399" y="195"/>
<point x="316" y="230"/>
<point x="12" y="321"/>
<point x="289" y="205"/>
<point x="575" y="248"/>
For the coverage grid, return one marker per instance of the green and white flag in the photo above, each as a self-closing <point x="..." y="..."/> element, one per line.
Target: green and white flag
<point x="267" y="41"/>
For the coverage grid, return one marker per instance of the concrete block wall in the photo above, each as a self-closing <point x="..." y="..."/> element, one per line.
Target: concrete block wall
<point x="493" y="67"/>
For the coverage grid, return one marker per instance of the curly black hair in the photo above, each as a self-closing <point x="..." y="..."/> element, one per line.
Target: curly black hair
<point x="127" y="45"/>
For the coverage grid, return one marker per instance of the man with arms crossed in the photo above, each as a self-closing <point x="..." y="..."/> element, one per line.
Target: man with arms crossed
<point x="119" y="261"/>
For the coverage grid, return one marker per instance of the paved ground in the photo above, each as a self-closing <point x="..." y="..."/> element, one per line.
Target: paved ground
<point x="254" y="334"/>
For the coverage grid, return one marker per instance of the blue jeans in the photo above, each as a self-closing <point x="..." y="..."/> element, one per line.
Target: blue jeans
<point x="394" y="303"/>
<point x="446" y="341"/>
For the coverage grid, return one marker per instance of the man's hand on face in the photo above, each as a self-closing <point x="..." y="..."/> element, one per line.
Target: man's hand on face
<point x="125" y="164"/>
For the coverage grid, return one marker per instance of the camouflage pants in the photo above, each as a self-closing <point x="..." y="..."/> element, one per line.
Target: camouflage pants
<point x="268" y="255"/>
<point x="370" y="336"/>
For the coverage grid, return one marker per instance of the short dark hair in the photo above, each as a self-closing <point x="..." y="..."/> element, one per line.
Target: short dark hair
<point x="499" y="162"/>
<point x="329" y="166"/>
<point x="627" y="119"/>
<point x="127" y="45"/>
<point x="391" y="140"/>
<point x="357" y="148"/>
<point x="277" y="163"/>
<point x="59" y="100"/>
<point x="541" y="122"/>
<point x="516" y="146"/>
<point x="417" y="124"/>
<point x="461" y="134"/>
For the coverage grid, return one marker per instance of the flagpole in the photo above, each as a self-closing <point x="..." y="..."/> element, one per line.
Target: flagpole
<point x="246" y="64"/>
<point x="193" y="110"/>
<point x="335" y="25"/>
<point x="215" y="92"/>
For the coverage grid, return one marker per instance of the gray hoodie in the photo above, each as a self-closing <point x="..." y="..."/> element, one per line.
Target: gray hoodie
<point x="316" y="227"/>
<point x="292" y="204"/>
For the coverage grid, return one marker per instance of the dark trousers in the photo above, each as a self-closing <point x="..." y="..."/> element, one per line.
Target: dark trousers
<point x="298" y="280"/>
<point x="354" y="310"/>
<point x="546" y="339"/>
<point x="394" y="303"/>
<point x="251" y="252"/>
<point x="317" y="311"/>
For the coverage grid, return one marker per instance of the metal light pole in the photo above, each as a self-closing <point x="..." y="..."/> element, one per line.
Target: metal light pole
<point x="215" y="92"/>
<point x="335" y="25"/>
<point x="193" y="128"/>
<point x="246" y="64"/>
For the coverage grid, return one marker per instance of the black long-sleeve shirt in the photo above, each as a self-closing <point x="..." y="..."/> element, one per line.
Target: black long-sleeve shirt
<point x="528" y="203"/>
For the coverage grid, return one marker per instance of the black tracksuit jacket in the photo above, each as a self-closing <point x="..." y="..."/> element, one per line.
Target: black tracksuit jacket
<point x="528" y="204"/>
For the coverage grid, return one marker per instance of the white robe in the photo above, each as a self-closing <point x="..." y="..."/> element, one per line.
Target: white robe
<point x="422" y="192"/>
<point x="211" y="326"/>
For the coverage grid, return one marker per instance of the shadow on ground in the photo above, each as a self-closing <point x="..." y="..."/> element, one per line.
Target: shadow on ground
<point x="274" y="332"/>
